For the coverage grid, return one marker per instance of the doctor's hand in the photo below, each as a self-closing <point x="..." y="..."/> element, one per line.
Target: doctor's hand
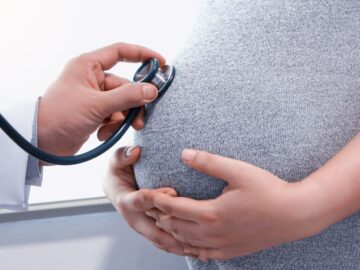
<point x="257" y="210"/>
<point x="85" y="98"/>
<point x="120" y="187"/>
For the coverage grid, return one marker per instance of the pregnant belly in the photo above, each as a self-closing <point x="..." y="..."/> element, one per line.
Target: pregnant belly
<point x="289" y="126"/>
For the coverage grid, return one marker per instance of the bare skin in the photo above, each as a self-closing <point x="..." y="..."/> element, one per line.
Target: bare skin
<point x="120" y="187"/>
<point x="84" y="98"/>
<point x="257" y="209"/>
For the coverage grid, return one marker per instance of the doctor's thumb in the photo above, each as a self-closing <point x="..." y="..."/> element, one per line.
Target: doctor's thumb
<point x="127" y="96"/>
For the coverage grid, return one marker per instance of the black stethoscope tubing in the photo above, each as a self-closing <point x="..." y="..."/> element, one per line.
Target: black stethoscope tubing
<point x="114" y="138"/>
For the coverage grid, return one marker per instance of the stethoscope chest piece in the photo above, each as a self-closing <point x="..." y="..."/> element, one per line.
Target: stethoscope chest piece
<point x="151" y="72"/>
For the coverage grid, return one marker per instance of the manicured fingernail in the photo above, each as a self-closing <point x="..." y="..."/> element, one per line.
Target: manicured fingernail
<point x="129" y="151"/>
<point x="149" y="92"/>
<point x="188" y="155"/>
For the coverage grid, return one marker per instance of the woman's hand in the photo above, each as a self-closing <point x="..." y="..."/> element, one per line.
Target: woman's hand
<point x="257" y="210"/>
<point x="85" y="98"/>
<point x="119" y="185"/>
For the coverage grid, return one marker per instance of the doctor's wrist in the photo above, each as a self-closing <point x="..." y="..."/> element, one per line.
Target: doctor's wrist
<point x="52" y="136"/>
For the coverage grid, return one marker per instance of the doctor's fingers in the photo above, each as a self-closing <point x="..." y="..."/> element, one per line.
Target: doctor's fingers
<point x="161" y="239"/>
<point x="112" y="81"/>
<point x="112" y="123"/>
<point x="110" y="55"/>
<point x="123" y="98"/>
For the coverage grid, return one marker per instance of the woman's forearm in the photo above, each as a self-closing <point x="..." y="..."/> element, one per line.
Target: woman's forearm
<point x="337" y="185"/>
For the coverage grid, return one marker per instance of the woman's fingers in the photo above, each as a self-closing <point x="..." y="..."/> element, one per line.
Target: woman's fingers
<point x="183" y="208"/>
<point x="161" y="239"/>
<point x="125" y="156"/>
<point x="167" y="190"/>
<point x="184" y="231"/>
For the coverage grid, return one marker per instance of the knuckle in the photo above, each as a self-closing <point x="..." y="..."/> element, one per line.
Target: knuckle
<point x="85" y="59"/>
<point x="168" y="223"/>
<point x="144" y="195"/>
<point x="142" y="198"/>
<point x="138" y="202"/>
<point x="119" y="203"/>
<point x="155" y="215"/>
<point x="94" y="65"/>
<point x="211" y="214"/>
<point x="168" y="210"/>
<point x="117" y="45"/>
<point x="164" y="219"/>
<point x="80" y="59"/>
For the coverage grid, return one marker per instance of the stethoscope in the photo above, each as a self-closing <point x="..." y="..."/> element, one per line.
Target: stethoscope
<point x="150" y="72"/>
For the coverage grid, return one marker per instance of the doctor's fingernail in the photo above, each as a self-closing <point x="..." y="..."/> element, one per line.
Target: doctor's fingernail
<point x="188" y="155"/>
<point x="129" y="151"/>
<point x="149" y="92"/>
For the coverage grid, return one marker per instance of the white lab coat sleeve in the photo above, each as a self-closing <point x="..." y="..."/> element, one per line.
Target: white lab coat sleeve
<point x="18" y="171"/>
<point x="33" y="176"/>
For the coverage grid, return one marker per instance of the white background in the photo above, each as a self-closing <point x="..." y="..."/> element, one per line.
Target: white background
<point x="39" y="36"/>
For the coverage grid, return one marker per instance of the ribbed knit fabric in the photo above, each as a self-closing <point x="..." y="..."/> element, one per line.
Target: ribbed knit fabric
<point x="274" y="83"/>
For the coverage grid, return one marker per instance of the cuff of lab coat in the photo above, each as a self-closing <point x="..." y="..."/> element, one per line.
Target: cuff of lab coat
<point x="34" y="171"/>
<point x="14" y="188"/>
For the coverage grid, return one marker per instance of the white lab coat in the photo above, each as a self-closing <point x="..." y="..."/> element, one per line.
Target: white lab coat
<point x="14" y="184"/>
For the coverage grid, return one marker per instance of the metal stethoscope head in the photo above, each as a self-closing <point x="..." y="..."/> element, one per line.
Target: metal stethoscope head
<point x="149" y="72"/>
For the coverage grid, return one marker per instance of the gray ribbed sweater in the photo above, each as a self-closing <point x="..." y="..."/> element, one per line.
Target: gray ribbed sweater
<point x="274" y="83"/>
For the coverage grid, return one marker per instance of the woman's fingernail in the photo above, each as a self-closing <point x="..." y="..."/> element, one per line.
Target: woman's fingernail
<point x="149" y="92"/>
<point x="129" y="151"/>
<point x="188" y="155"/>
